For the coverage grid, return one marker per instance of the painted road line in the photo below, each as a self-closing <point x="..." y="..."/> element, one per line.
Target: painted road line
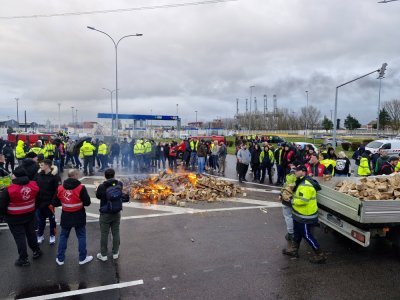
<point x="88" y="290"/>
<point x="92" y="215"/>
<point x="255" y="202"/>
<point x="262" y="190"/>
<point x="167" y="208"/>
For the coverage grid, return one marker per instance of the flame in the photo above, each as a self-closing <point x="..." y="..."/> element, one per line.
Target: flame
<point x="192" y="179"/>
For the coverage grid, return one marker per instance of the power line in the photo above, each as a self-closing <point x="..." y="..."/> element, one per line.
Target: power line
<point x="68" y="14"/>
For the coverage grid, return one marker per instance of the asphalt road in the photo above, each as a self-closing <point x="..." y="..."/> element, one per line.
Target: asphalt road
<point x="223" y="250"/>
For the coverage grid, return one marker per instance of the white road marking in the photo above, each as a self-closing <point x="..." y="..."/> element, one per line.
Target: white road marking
<point x="262" y="190"/>
<point x="255" y="202"/>
<point x="92" y="215"/>
<point x="88" y="290"/>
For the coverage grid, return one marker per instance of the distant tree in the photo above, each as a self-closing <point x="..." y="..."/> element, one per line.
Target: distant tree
<point x="327" y="124"/>
<point x="393" y="109"/>
<point x="351" y="123"/>
<point x="337" y="123"/>
<point x="310" y="115"/>
<point x="10" y="130"/>
<point x="384" y="119"/>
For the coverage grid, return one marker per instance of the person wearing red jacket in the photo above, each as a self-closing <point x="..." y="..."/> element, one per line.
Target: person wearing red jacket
<point x="72" y="196"/>
<point x="17" y="203"/>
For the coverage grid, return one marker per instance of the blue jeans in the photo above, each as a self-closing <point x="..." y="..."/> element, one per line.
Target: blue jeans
<point x="68" y="158"/>
<point x="193" y="158"/>
<point x="287" y="215"/>
<point x="42" y="215"/>
<point x="62" y="245"/>
<point x="201" y="161"/>
<point x="77" y="161"/>
<point x="88" y="162"/>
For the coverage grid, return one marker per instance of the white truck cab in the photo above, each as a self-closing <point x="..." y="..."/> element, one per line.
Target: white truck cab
<point x="392" y="147"/>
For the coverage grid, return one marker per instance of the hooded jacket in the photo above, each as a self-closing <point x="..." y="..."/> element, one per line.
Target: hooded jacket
<point x="5" y="200"/>
<point x="19" y="150"/>
<point x="101" y="191"/>
<point x="78" y="218"/>
<point x="48" y="184"/>
<point x="31" y="167"/>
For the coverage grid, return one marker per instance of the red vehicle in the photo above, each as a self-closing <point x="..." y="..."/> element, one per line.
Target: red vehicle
<point x="211" y="138"/>
<point x="32" y="138"/>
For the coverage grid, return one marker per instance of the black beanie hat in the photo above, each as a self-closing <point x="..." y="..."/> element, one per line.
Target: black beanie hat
<point x="31" y="155"/>
<point x="19" y="172"/>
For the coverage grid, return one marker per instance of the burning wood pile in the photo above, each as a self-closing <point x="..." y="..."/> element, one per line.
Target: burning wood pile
<point x="372" y="188"/>
<point x="179" y="188"/>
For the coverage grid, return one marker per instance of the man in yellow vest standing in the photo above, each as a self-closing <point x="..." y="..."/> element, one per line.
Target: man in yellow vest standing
<point x="138" y="152"/>
<point x="86" y="153"/>
<point x="102" y="153"/>
<point x="305" y="215"/>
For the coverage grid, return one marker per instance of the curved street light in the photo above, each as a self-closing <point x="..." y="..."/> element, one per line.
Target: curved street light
<point x="116" y="69"/>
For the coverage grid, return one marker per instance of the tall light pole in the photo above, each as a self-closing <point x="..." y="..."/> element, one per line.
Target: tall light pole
<point x="380" y="76"/>
<point x="196" y="116"/>
<point x="116" y="70"/>
<point x="17" y="99"/>
<point x="112" y="110"/>
<point x="177" y="106"/>
<point x="251" y="94"/>
<point x="76" y="118"/>
<point x="306" y="115"/>
<point x="381" y="71"/>
<point x="72" y="110"/>
<point x="59" y="117"/>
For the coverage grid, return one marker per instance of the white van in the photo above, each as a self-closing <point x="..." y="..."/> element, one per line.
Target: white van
<point x="392" y="147"/>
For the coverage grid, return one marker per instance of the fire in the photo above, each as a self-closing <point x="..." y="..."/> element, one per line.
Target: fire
<point x="192" y="179"/>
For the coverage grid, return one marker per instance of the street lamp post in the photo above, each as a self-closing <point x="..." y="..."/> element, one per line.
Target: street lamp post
<point x="306" y="115"/>
<point x="112" y="110"/>
<point x="196" y="117"/>
<point x="381" y="74"/>
<point x="17" y="99"/>
<point x="116" y="70"/>
<point x="76" y="118"/>
<point x="59" y="117"/>
<point x="251" y="95"/>
<point x="72" y="110"/>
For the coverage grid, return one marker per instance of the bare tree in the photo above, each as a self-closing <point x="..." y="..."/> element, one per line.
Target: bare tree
<point x="311" y="116"/>
<point x="393" y="109"/>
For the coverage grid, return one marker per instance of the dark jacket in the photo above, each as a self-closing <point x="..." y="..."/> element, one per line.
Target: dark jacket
<point x="101" y="191"/>
<point x="31" y="167"/>
<point x="115" y="149"/>
<point x="202" y="150"/>
<point x="386" y="169"/>
<point x="8" y="153"/>
<point x="78" y="218"/>
<point x="255" y="156"/>
<point x="5" y="200"/>
<point x="48" y="184"/>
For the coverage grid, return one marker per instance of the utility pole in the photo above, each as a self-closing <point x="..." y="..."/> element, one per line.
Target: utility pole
<point x="381" y="75"/>
<point x="59" y="117"/>
<point x="17" y="99"/>
<point x="251" y="95"/>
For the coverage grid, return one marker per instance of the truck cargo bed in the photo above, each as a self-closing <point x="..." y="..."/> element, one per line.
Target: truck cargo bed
<point x="366" y="211"/>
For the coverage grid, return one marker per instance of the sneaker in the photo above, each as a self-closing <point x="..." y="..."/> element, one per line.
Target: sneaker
<point x="101" y="257"/>
<point x="52" y="240"/>
<point x="116" y="255"/>
<point x="40" y="239"/>
<point x="86" y="260"/>
<point x="59" y="262"/>
<point x="22" y="262"/>
<point x="37" y="254"/>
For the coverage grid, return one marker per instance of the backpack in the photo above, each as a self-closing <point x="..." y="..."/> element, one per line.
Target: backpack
<point x="114" y="200"/>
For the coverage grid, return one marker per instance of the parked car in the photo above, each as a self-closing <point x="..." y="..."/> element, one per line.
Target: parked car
<point x="303" y="144"/>
<point x="329" y="141"/>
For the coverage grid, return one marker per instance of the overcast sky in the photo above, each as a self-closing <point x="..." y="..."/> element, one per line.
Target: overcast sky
<point x="201" y="57"/>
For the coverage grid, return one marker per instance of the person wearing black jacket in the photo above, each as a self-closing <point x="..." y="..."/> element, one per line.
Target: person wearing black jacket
<point x="30" y="164"/>
<point x="9" y="156"/>
<point x="255" y="162"/>
<point x="73" y="197"/>
<point x="48" y="182"/>
<point x="388" y="167"/>
<point x="17" y="204"/>
<point x="342" y="168"/>
<point x="109" y="220"/>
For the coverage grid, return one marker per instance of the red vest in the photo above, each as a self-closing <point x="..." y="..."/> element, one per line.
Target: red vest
<point x="321" y="169"/>
<point x="70" y="200"/>
<point x="22" y="198"/>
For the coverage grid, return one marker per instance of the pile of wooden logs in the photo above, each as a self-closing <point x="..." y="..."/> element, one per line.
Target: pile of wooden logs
<point x="179" y="188"/>
<point x="372" y="188"/>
